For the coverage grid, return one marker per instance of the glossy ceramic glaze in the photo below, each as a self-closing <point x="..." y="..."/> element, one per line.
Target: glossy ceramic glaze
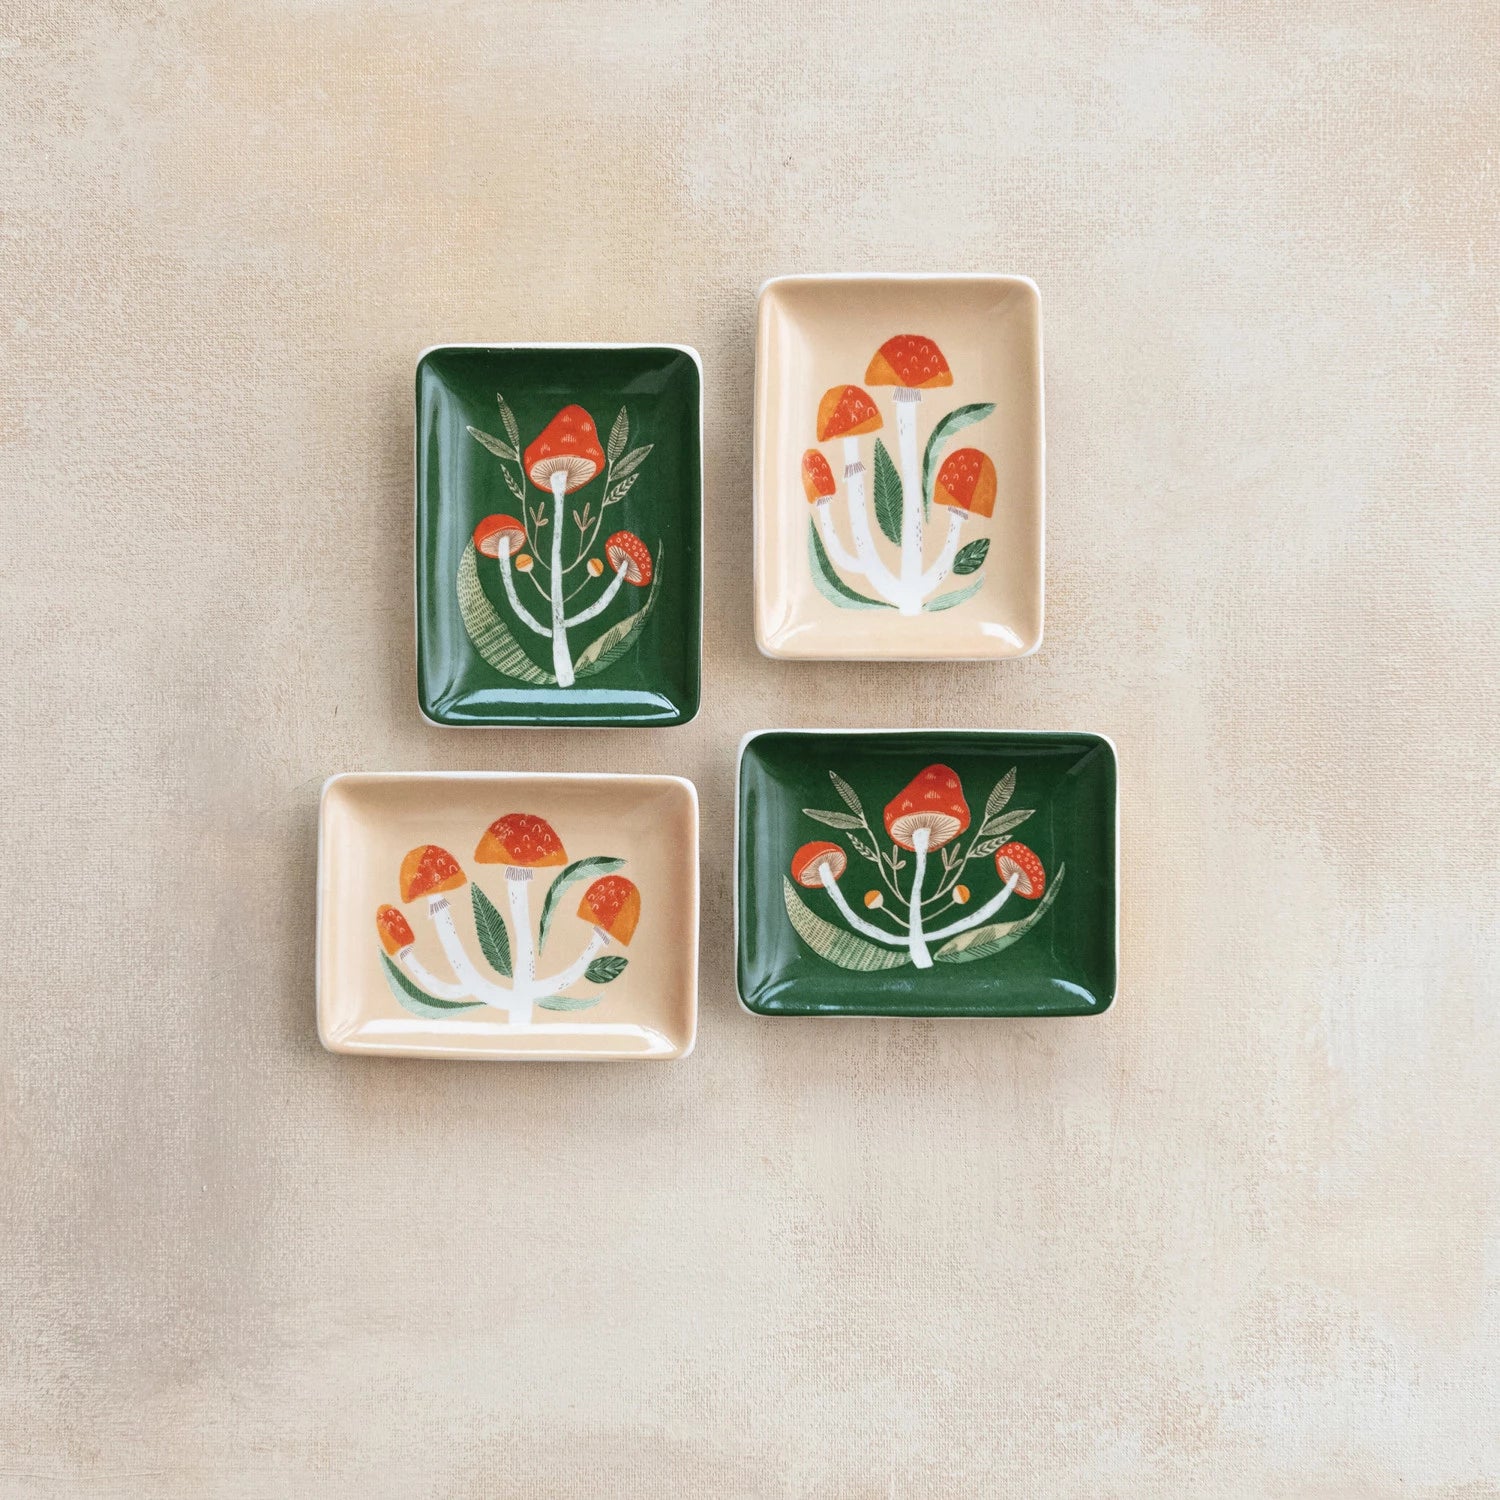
<point x="849" y="561"/>
<point x="1016" y="857"/>
<point x="493" y="425"/>
<point x="508" y="916"/>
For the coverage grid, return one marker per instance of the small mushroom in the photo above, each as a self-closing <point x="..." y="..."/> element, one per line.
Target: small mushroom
<point x="399" y="942"/>
<point x="613" y="904"/>
<point x="499" y="536"/>
<point x="430" y="871"/>
<point x="595" y="567"/>
<point x="966" y="485"/>
<point x="395" y="931"/>
<point x="524" y="562"/>
<point x="819" y="486"/>
<point x="846" y="412"/>
<point x="630" y="557"/>
<point x="1019" y="866"/>
<point x="912" y="363"/>
<point x="874" y="900"/>
<point x="809" y="862"/>
<point x="960" y="894"/>
<point x="928" y="813"/>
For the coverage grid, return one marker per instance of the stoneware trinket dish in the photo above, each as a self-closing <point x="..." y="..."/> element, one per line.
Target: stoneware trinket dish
<point x="898" y="468"/>
<point x="926" y="873"/>
<point x="559" y="496"/>
<point x="508" y="915"/>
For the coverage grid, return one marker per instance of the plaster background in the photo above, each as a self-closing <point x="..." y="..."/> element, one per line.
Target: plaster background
<point x="1239" y="1236"/>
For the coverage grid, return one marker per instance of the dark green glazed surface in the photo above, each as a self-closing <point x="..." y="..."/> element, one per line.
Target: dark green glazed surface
<point x="656" y="680"/>
<point x="1064" y="964"/>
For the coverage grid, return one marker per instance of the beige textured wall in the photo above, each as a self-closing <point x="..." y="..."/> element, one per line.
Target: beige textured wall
<point x="1239" y="1237"/>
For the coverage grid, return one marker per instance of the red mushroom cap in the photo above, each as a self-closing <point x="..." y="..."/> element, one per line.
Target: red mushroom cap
<point x="395" y="931"/>
<point x="911" y="360"/>
<point x="428" y="870"/>
<point x="521" y="840"/>
<point x="847" y="411"/>
<point x="627" y="553"/>
<point x="817" y="477"/>
<point x="967" y="482"/>
<point x="808" y="862"/>
<point x="613" y="903"/>
<point x="497" y="534"/>
<point x="569" y="442"/>
<point x="935" y="801"/>
<point x="1018" y="860"/>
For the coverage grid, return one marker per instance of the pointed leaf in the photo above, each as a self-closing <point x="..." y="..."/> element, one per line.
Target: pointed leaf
<point x="563" y="1002"/>
<point x="847" y="792"/>
<point x="489" y="633"/>
<point x="604" y="970"/>
<point x="985" y="942"/>
<point x="942" y="434"/>
<point x="971" y="558"/>
<point x="619" y="491"/>
<point x="958" y="596"/>
<point x="834" y="819"/>
<point x="1002" y="823"/>
<point x="499" y="449"/>
<point x="412" y="997"/>
<point x="508" y="417"/>
<point x="835" y="944"/>
<point x="632" y="461"/>
<point x="860" y="847"/>
<point x="619" y="435"/>
<point x="1004" y="790"/>
<point x="829" y="584"/>
<point x="887" y="494"/>
<point x="608" y="648"/>
<point x="515" y="486"/>
<point x="494" y="940"/>
<point x="580" y="869"/>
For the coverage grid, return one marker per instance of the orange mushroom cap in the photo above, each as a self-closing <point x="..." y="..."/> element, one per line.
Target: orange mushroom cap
<point x="847" y="411"/>
<point x="934" y="800"/>
<point x="911" y="360"/>
<point x="627" y="553"/>
<point x="497" y="534"/>
<point x="614" y="904"/>
<point x="395" y="931"/>
<point x="568" y="443"/>
<point x="521" y="840"/>
<point x="428" y="870"/>
<point x="966" y="481"/>
<point x="817" y="477"/>
<point x="809" y="860"/>
<point x="1018" y="860"/>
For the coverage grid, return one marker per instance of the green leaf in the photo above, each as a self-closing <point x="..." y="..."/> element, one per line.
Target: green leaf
<point x="834" y="819"/>
<point x="860" y="847"/>
<point x="1002" y="823"/>
<point x="957" y="596"/>
<point x="985" y="942"/>
<point x="499" y="449"/>
<point x="834" y="943"/>
<point x="619" y="435"/>
<point x="632" y="461"/>
<point x="489" y="633"/>
<point x="829" y="584"/>
<point x="494" y="940"/>
<point x="887" y="494"/>
<point x="847" y="792"/>
<point x="1003" y="792"/>
<point x="971" y="558"/>
<point x="563" y="1002"/>
<point x="580" y="869"/>
<point x="412" y="997"/>
<point x="605" y="969"/>
<point x="608" y="648"/>
<point x="955" y="421"/>
<point x="509" y="418"/>
<point x="619" y="491"/>
<point x="515" y="486"/>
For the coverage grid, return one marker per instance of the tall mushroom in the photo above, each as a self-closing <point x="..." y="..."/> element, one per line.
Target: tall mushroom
<point x="565" y="456"/>
<point x="613" y="904"/>
<point x="521" y="842"/>
<point x="630" y="557"/>
<point x="819" y="487"/>
<point x="847" y="412"/>
<point x="430" y="871"/>
<point x="966" y="485"/>
<point x="911" y="363"/>
<point x="818" y="866"/>
<point x="927" y="814"/>
<point x="399" y="942"/>
<point x="502" y="537"/>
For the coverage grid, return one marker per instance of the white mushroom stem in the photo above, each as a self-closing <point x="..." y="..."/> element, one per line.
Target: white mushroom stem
<point x="566" y="978"/>
<point x="602" y="602"/>
<point x="509" y="580"/>
<point x="984" y="913"/>
<point x="907" y="401"/>
<point x="858" y="923"/>
<point x="859" y="524"/>
<point x="458" y="960"/>
<point x="439" y="988"/>
<point x="562" y="660"/>
<point x="916" y="942"/>
<point x="939" y="570"/>
<point x="523" y="956"/>
<point x="840" y="554"/>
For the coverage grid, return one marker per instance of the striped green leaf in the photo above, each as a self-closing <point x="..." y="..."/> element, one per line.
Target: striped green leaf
<point x="835" y="944"/>
<point x="827" y="581"/>
<point x="565" y="1002"/>
<point x="411" y="996"/>
<point x="604" y="650"/>
<point x="489" y="633"/>
<point x="957" y="596"/>
<point x="986" y="942"/>
<point x="494" y="940"/>
<point x="887" y="494"/>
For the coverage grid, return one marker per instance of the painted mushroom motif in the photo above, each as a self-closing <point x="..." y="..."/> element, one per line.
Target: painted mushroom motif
<point x="846" y="414"/>
<point x="927" y="814"/>
<point x="400" y="942"/>
<point x="430" y="871"/>
<point x="966" y="485"/>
